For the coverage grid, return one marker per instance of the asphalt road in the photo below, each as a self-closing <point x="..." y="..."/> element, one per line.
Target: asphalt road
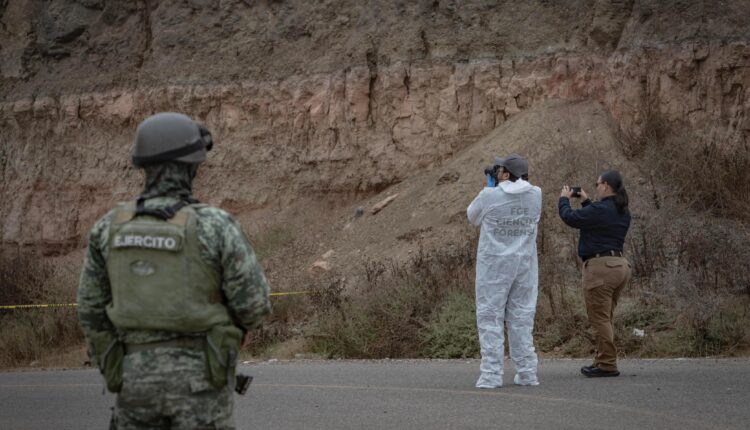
<point x="424" y="394"/>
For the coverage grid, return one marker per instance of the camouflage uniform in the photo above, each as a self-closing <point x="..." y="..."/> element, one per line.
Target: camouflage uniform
<point x="167" y="386"/>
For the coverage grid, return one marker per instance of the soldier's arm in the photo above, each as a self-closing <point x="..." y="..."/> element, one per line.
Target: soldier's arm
<point x="244" y="283"/>
<point x="94" y="291"/>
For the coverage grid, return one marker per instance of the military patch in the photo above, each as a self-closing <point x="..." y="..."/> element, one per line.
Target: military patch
<point x="142" y="268"/>
<point x="160" y="242"/>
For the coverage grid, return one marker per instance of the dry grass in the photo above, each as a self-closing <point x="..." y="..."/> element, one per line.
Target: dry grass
<point x="691" y="289"/>
<point x="690" y="292"/>
<point x="396" y="311"/>
<point x="33" y="337"/>
<point x="708" y="175"/>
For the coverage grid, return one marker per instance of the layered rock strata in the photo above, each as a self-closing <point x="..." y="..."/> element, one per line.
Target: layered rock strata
<point x="355" y="117"/>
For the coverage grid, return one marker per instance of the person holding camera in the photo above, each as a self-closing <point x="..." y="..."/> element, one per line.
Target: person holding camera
<point x="508" y="210"/>
<point x="604" y="225"/>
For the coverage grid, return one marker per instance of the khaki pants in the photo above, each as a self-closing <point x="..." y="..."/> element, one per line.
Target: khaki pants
<point x="603" y="280"/>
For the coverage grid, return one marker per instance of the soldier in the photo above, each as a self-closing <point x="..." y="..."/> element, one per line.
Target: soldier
<point x="168" y="288"/>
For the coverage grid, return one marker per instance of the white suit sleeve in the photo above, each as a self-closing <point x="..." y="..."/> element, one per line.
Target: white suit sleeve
<point x="474" y="211"/>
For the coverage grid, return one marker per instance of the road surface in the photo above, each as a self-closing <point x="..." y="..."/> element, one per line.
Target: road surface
<point x="424" y="394"/>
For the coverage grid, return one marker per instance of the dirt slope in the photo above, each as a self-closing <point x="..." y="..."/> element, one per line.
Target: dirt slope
<point x="320" y="107"/>
<point x="566" y="143"/>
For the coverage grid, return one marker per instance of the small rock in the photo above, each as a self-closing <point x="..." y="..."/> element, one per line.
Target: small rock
<point x="328" y="254"/>
<point x="359" y="212"/>
<point x="448" y="177"/>
<point x="23" y="106"/>
<point x="273" y="360"/>
<point x="383" y="203"/>
<point x="44" y="106"/>
<point x="700" y="53"/>
<point x="320" y="266"/>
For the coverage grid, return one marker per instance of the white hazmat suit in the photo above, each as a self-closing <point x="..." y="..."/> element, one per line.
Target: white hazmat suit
<point x="507" y="278"/>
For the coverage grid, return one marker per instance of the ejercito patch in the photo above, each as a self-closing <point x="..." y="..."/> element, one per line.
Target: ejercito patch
<point x="167" y="243"/>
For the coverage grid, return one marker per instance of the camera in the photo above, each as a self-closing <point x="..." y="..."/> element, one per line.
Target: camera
<point x="489" y="173"/>
<point x="576" y="191"/>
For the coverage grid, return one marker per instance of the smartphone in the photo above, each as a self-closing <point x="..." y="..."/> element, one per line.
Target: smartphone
<point x="576" y="191"/>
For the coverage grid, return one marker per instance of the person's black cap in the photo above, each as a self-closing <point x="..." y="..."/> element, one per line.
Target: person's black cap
<point x="514" y="163"/>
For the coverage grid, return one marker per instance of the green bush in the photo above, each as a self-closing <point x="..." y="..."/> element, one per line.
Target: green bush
<point x="452" y="333"/>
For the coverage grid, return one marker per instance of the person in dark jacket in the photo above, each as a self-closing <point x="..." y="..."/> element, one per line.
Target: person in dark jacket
<point x="603" y="225"/>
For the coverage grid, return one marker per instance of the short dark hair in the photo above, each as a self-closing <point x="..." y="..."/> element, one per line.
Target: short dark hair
<point x="499" y="170"/>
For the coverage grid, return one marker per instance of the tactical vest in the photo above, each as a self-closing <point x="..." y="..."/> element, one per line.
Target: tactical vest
<point x="158" y="279"/>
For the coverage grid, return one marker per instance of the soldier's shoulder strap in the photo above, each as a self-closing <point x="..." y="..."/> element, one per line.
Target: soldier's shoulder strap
<point x="174" y="214"/>
<point x="124" y="212"/>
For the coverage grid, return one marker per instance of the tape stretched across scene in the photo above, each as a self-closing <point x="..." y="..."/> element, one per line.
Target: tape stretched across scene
<point x="72" y="305"/>
<point x="52" y="305"/>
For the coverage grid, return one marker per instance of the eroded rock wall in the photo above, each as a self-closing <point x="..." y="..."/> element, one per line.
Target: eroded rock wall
<point x="307" y="100"/>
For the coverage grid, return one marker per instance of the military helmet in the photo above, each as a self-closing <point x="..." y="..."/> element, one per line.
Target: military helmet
<point x="170" y="136"/>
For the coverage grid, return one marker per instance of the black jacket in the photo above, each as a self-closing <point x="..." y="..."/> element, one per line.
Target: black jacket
<point x="602" y="227"/>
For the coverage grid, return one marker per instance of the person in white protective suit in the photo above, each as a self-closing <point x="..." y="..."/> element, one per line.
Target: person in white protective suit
<point x="508" y="211"/>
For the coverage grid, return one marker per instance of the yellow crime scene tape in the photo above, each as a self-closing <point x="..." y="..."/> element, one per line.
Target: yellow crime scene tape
<point x="53" y="305"/>
<point x="72" y="305"/>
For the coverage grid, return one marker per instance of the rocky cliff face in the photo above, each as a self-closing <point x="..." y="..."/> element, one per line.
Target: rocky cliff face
<point x="329" y="98"/>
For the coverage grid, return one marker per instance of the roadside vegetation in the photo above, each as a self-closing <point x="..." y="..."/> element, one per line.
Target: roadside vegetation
<point x="37" y="336"/>
<point x="690" y="294"/>
<point x="418" y="308"/>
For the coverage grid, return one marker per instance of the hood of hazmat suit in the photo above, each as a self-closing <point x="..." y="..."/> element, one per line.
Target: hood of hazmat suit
<point x="506" y="277"/>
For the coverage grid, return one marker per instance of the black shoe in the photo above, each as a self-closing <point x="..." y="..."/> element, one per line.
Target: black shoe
<point x="595" y="372"/>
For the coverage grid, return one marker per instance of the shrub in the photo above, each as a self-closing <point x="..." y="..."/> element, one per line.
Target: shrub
<point x="452" y="333"/>
<point x="284" y="322"/>
<point x="32" y="334"/>
<point x="691" y="277"/>
<point x="561" y="323"/>
<point x="391" y="312"/>
<point x="701" y="172"/>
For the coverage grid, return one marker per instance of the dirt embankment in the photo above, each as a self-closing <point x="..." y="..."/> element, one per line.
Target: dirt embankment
<point x="318" y="108"/>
